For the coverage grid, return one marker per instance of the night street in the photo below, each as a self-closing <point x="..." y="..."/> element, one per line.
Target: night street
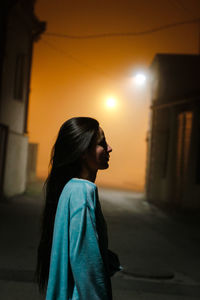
<point x="160" y="254"/>
<point x="105" y="93"/>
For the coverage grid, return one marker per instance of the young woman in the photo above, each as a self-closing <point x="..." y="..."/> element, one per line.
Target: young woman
<point x="73" y="257"/>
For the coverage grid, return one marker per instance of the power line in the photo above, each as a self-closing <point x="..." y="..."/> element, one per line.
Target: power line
<point x="183" y="7"/>
<point x="78" y="61"/>
<point x="177" y="4"/>
<point x="121" y="34"/>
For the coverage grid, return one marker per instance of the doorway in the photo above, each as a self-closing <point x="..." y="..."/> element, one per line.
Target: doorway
<point x="184" y="129"/>
<point x="3" y="145"/>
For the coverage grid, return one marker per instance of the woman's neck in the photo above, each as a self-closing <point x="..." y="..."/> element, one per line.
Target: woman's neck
<point x="87" y="174"/>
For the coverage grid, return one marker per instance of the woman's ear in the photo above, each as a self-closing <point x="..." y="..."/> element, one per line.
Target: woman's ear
<point x="84" y="155"/>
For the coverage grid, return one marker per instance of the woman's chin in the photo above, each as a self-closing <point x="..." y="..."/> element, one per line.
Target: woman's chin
<point x="104" y="167"/>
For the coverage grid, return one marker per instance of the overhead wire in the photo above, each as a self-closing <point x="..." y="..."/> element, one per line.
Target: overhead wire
<point x="121" y="34"/>
<point x="179" y="4"/>
<point x="183" y="7"/>
<point x="77" y="60"/>
<point x="107" y="35"/>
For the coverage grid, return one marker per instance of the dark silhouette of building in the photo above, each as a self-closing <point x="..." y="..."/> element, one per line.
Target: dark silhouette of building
<point x="20" y="28"/>
<point x="173" y="140"/>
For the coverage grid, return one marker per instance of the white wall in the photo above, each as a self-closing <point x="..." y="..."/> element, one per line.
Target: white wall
<point x="16" y="165"/>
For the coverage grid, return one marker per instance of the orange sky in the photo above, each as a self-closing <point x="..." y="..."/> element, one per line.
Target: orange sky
<point x="74" y="77"/>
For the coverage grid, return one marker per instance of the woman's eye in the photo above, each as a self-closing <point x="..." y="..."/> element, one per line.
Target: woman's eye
<point x="103" y="143"/>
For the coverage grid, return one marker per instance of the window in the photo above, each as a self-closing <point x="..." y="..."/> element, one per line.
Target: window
<point x="165" y="153"/>
<point x="185" y="120"/>
<point x="3" y="145"/>
<point x="198" y="156"/>
<point x="19" y="77"/>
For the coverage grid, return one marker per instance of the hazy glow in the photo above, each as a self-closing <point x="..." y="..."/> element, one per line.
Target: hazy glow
<point x="140" y="79"/>
<point x="111" y="102"/>
<point x="75" y="78"/>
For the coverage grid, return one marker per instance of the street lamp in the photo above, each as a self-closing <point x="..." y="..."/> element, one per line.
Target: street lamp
<point x="140" y="79"/>
<point x="111" y="102"/>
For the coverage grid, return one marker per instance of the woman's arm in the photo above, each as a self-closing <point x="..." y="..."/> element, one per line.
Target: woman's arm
<point x="114" y="263"/>
<point x="86" y="262"/>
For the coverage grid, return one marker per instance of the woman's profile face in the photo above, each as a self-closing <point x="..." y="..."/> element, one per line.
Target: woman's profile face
<point x="98" y="157"/>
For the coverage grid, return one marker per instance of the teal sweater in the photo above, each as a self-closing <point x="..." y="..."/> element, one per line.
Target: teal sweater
<point x="81" y="264"/>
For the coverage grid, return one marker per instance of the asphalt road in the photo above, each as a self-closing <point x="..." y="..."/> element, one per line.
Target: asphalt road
<point x="159" y="252"/>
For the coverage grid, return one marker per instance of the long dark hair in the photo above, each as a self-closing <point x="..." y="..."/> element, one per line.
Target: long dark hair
<point x="75" y="137"/>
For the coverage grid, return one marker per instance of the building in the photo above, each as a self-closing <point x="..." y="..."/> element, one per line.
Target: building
<point x="173" y="140"/>
<point x="19" y="29"/>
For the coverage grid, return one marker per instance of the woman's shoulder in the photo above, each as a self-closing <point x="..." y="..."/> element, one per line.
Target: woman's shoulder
<point x="81" y="192"/>
<point x="80" y="185"/>
<point x="82" y="182"/>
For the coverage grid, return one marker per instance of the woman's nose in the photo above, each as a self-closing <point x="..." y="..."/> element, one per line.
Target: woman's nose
<point x="109" y="149"/>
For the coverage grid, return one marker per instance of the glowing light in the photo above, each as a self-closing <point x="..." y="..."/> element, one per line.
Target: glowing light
<point x="111" y="102"/>
<point x="140" y="79"/>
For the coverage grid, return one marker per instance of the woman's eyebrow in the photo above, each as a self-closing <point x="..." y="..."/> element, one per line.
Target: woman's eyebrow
<point x="102" y="139"/>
